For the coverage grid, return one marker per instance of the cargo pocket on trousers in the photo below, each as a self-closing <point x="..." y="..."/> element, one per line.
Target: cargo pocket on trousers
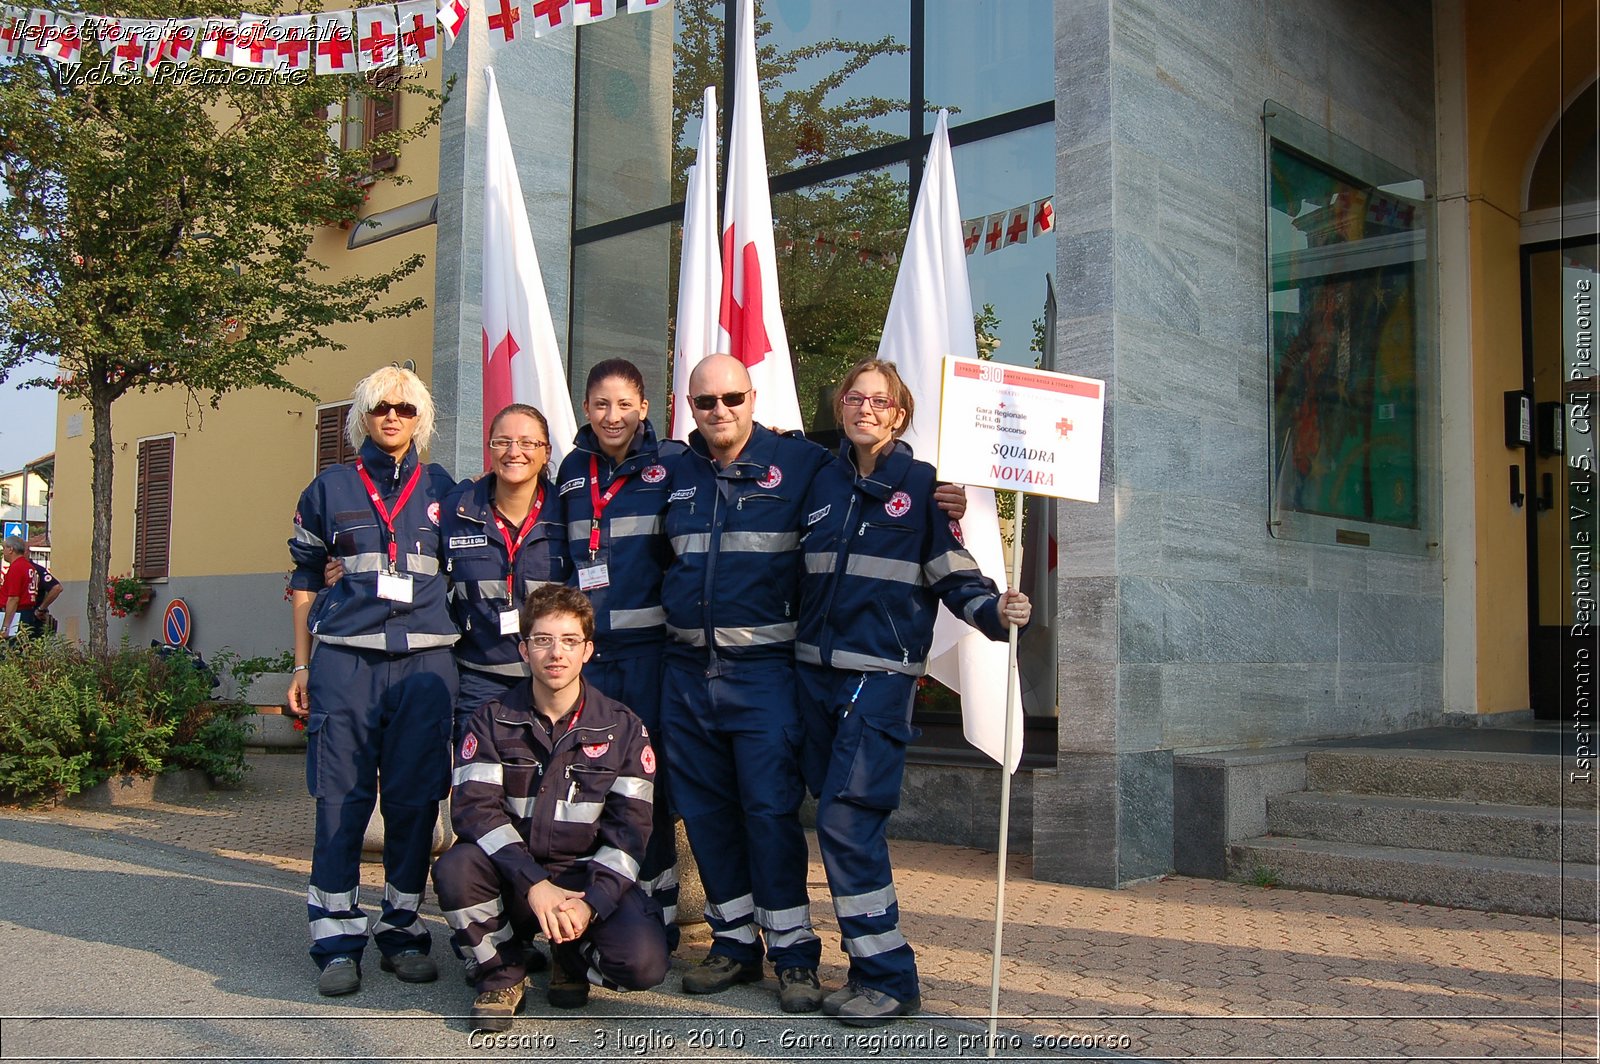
<point x="879" y="765"/>
<point x="314" y="736"/>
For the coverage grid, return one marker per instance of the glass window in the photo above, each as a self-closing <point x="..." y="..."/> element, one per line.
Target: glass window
<point x="621" y="304"/>
<point x="625" y="85"/>
<point x="1349" y="306"/>
<point x="1565" y="171"/>
<point x="987" y="59"/>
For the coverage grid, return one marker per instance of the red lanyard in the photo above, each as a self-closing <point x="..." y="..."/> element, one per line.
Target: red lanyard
<point x="599" y="502"/>
<point x="399" y="504"/>
<point x="512" y="548"/>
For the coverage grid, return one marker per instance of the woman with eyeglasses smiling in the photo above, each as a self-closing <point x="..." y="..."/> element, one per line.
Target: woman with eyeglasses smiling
<point x="376" y="697"/>
<point x="880" y="555"/>
<point x="503" y="538"/>
<point x="614" y="492"/>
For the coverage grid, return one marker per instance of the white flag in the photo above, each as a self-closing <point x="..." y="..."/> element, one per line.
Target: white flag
<point x="129" y="38"/>
<point x="994" y="232"/>
<point x="751" y="321"/>
<point x="1017" y="222"/>
<point x="294" y="42"/>
<point x="13" y="22"/>
<point x="377" y="38"/>
<point x="930" y="316"/>
<point x="419" y="33"/>
<point x="256" y="47"/>
<point x="217" y="41"/>
<point x="39" y="35"/>
<point x="699" y="272"/>
<point x="69" y="44"/>
<point x="521" y="362"/>
<point x="585" y="12"/>
<point x="335" y="43"/>
<point x="452" y="16"/>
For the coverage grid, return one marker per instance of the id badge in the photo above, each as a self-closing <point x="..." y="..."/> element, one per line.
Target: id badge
<point x="596" y="576"/>
<point x="395" y="587"/>
<point x="510" y="622"/>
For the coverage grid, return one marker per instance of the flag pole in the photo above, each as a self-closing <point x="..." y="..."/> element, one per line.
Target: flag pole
<point x="1013" y="578"/>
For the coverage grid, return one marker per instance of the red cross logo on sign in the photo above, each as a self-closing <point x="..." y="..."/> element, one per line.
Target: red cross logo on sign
<point x="1064" y="427"/>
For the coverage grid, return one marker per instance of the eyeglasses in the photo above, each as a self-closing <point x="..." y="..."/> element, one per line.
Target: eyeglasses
<point x="403" y="409"/>
<point x="506" y="443"/>
<point x="727" y="399"/>
<point x="878" y="402"/>
<point x="544" y="641"/>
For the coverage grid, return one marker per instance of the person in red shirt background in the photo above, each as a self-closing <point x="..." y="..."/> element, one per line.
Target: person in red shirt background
<point x="17" y="588"/>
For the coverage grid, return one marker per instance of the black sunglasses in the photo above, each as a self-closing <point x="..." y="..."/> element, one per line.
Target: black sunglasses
<point x="709" y="402"/>
<point x="403" y="409"/>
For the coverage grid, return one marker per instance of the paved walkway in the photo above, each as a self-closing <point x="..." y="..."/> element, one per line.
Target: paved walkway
<point x="1173" y="969"/>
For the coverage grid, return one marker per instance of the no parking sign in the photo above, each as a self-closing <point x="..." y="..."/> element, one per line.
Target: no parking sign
<point x="175" y="625"/>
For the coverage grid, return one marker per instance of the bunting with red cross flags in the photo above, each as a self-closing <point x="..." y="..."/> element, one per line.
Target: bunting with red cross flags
<point x="69" y="43"/>
<point x="1044" y="217"/>
<point x="256" y="47"/>
<point x="452" y="15"/>
<point x="38" y="33"/>
<point x="587" y="12"/>
<point x="294" y="42"/>
<point x="636" y="6"/>
<point x="971" y="234"/>
<point x="551" y="16"/>
<point x="1017" y="221"/>
<point x="503" y="18"/>
<point x="994" y="231"/>
<point x="13" y="21"/>
<point x="128" y="45"/>
<point x="335" y="43"/>
<point x="419" y="32"/>
<point x="179" y="44"/>
<point x="216" y="40"/>
<point x="377" y="38"/>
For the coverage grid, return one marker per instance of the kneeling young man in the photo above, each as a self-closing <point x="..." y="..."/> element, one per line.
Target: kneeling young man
<point x="552" y="803"/>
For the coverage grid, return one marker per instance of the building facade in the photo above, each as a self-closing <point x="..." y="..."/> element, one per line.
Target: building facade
<point x="1316" y="249"/>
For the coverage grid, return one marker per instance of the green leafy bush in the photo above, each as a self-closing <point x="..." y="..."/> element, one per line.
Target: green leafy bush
<point x="69" y="720"/>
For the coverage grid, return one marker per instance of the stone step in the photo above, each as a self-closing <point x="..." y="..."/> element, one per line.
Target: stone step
<point x="1456" y="775"/>
<point x="1430" y="877"/>
<point x="1541" y="833"/>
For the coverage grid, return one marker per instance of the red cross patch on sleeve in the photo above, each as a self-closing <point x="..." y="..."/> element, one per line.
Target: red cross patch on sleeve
<point x="469" y="747"/>
<point x="647" y="758"/>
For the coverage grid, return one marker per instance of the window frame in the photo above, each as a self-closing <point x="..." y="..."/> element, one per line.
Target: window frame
<point x="142" y="566"/>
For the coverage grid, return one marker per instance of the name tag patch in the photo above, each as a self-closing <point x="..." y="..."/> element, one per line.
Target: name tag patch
<point x="816" y="515"/>
<point x="686" y="493"/>
<point x="463" y="542"/>
<point x="573" y="485"/>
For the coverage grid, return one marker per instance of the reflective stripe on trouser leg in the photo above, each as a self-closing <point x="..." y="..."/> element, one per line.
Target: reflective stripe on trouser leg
<point x="338" y="926"/>
<point x="484" y="912"/>
<point x="855" y="854"/>
<point x="628" y="949"/>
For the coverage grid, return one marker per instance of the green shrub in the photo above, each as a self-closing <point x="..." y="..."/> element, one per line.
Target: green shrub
<point x="69" y="720"/>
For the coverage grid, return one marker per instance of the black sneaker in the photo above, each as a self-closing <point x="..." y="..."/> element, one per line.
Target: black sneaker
<point x="874" y="1008"/>
<point x="798" y="990"/>
<point x="567" y="990"/>
<point x="493" y="1010"/>
<point x="835" y="1001"/>
<point x="340" y="976"/>
<point x="717" y="973"/>
<point x="411" y="966"/>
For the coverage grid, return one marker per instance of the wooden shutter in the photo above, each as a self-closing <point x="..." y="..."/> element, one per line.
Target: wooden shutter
<point x="383" y="114"/>
<point x="152" y="527"/>
<point x="333" y="448"/>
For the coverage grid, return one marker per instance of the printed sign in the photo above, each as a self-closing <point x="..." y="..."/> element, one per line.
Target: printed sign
<point x="1016" y="429"/>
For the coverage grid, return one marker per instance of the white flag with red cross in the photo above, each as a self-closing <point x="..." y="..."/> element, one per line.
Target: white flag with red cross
<point x="994" y="232"/>
<point x="419" y="31"/>
<point x="256" y="47"/>
<point x="930" y="316"/>
<point x="587" y="12"/>
<point x="751" y="321"/>
<point x="180" y="44"/>
<point x="216" y="41"/>
<point x="69" y="43"/>
<point x="971" y="234"/>
<point x="636" y="6"/>
<point x="504" y="18"/>
<point x="13" y="21"/>
<point x="1044" y="217"/>
<point x="335" y="43"/>
<point x="699" y="272"/>
<point x="128" y="43"/>
<point x="551" y="16"/>
<point x="1018" y="220"/>
<point x="39" y="33"/>
<point x="294" y="42"/>
<point x="521" y="361"/>
<point x="377" y="38"/>
<point x="452" y="17"/>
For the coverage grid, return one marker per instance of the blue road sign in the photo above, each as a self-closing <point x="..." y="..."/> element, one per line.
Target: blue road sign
<point x="16" y="528"/>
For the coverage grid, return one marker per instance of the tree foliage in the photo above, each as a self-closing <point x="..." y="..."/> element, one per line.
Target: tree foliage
<point x="157" y="234"/>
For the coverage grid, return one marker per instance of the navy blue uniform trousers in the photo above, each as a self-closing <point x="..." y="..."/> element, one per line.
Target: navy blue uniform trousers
<point x="857" y="726"/>
<point x="375" y="717"/>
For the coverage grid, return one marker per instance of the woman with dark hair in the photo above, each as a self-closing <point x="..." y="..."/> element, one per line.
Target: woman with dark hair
<point x="614" y="494"/>
<point x="503" y="537"/>
<point x="377" y="701"/>
<point x="880" y="556"/>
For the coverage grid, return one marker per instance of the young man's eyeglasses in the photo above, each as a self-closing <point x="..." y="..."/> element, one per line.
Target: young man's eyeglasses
<point x="403" y="409"/>
<point x="527" y="446"/>
<point x="727" y="399"/>
<point x="545" y="641"/>
<point x="877" y="402"/>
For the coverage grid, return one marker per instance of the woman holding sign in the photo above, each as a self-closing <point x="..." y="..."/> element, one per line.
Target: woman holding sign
<point x="880" y="557"/>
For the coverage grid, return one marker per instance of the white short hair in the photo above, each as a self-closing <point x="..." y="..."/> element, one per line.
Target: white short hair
<point x="369" y="392"/>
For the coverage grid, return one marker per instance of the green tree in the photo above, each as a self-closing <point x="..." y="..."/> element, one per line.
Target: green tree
<point x="157" y="235"/>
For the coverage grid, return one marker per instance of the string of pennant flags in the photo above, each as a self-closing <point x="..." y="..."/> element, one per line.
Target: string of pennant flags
<point x="987" y="233"/>
<point x="335" y="42"/>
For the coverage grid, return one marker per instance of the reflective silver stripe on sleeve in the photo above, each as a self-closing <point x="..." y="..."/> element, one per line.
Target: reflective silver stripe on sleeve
<point x="475" y="914"/>
<point x="365" y="563"/>
<point x="665" y="881"/>
<point x="398" y="899"/>
<point x="306" y="536"/>
<point x="755" y="636"/>
<point x="784" y="919"/>
<point x="522" y="807"/>
<point x="693" y="543"/>
<point x="428" y="640"/>
<point x="885" y="569"/>
<point x="969" y="612"/>
<point x="648" y="617"/>
<point x="819" y="561"/>
<point x="809" y="653"/>
<point x="578" y="812"/>
<point x="491" y="589"/>
<point x="729" y="911"/>
<point x="955" y="561"/>
<point x="479" y="772"/>
<point x="488" y="946"/>
<point x="514" y="668"/>
<point x="619" y="862"/>
<point x="781" y="939"/>
<point x="634" y="787"/>
<point x="872" y="945"/>
<point x="745" y="933"/>
<point x="330" y="926"/>
<point x="873" y="901"/>
<point x="760" y="542"/>
<point x="498" y="839"/>
<point x="529" y="585"/>
<point x="633" y="526"/>
<point x="333" y="902"/>
<point x="578" y="531"/>
<point x="422" y="564"/>
<point x="693" y="637"/>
